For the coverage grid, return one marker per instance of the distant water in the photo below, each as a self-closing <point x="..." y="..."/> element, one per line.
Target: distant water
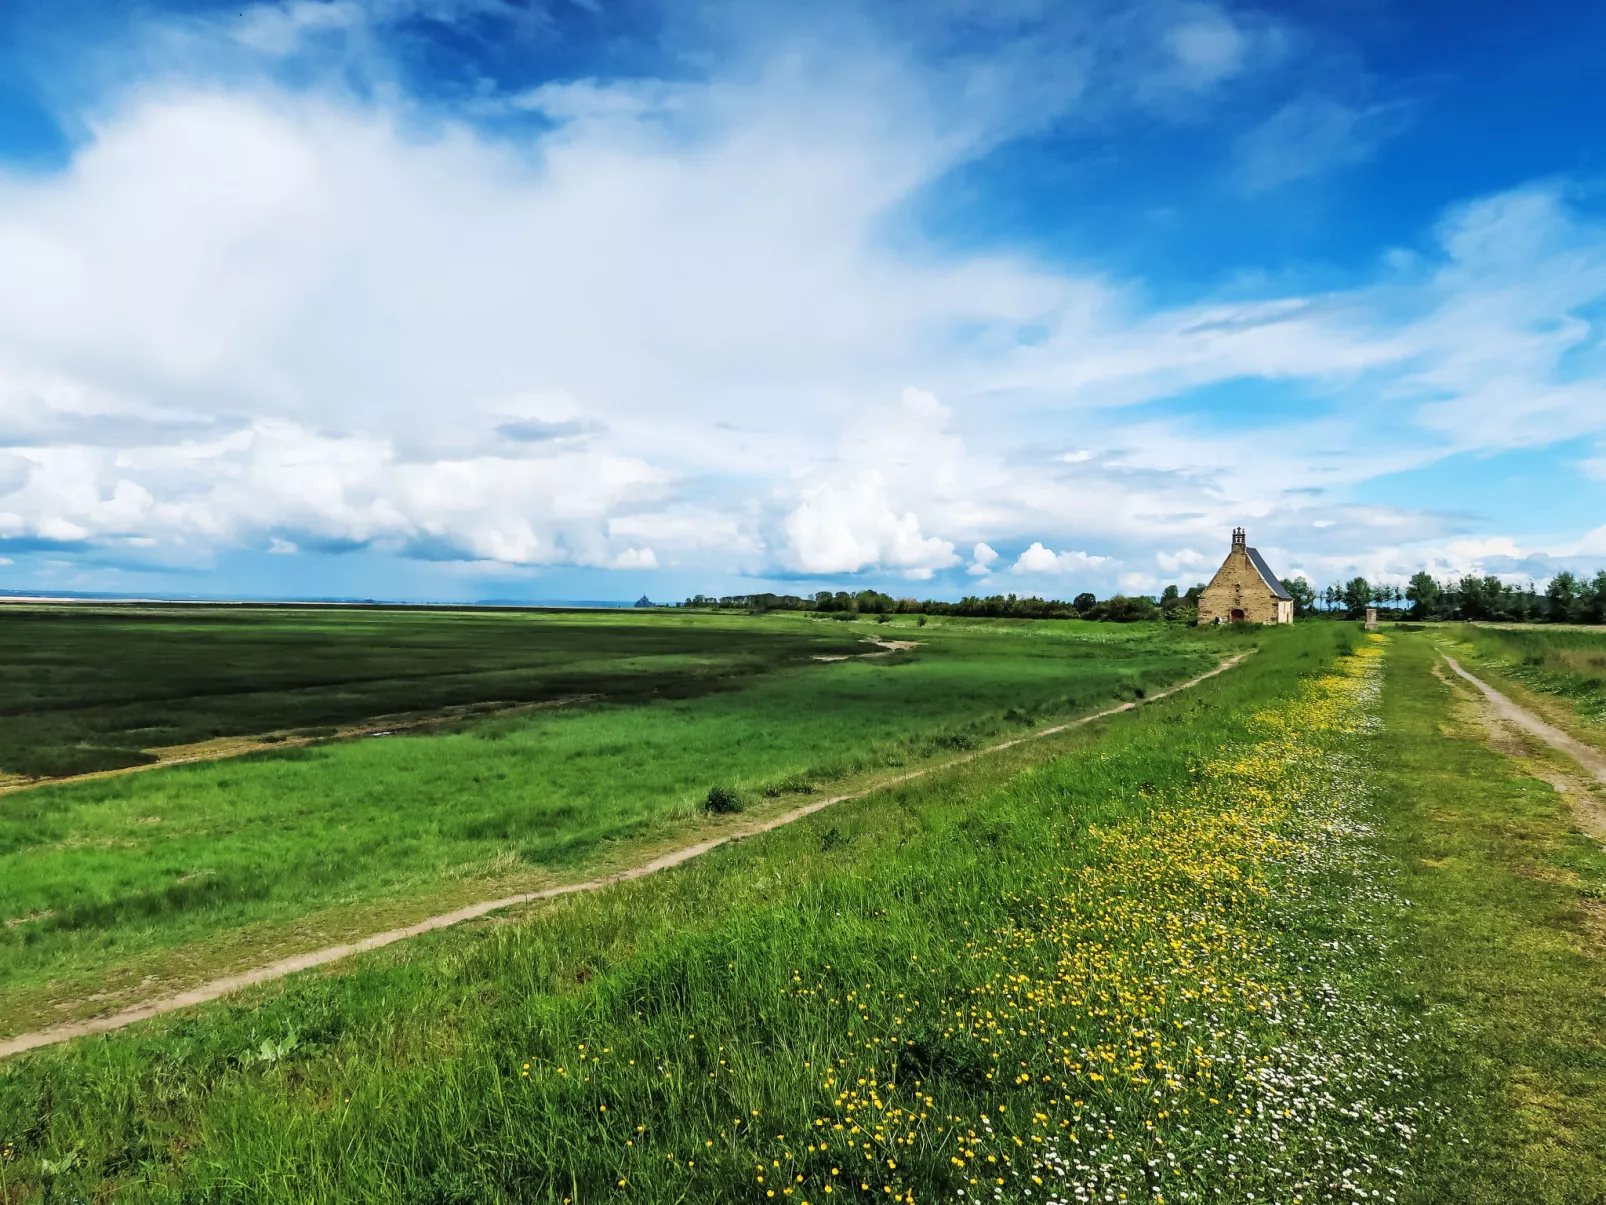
<point x="304" y="600"/>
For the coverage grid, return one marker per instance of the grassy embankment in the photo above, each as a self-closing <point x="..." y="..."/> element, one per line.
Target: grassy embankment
<point x="1147" y="970"/>
<point x="1566" y="663"/>
<point x="121" y="888"/>
<point x="1503" y="952"/>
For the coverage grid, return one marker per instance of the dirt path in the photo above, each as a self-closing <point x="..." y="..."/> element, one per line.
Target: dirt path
<point x="1587" y="758"/>
<point x="215" y="988"/>
<point x="887" y="647"/>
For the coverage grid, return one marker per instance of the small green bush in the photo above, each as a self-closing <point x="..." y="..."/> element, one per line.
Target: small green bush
<point x="722" y="800"/>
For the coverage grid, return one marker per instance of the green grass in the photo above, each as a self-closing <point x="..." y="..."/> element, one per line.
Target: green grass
<point x="1311" y="949"/>
<point x="86" y="687"/>
<point x="1001" y="951"/>
<point x="177" y="872"/>
<point x="1566" y="662"/>
<point x="1497" y="954"/>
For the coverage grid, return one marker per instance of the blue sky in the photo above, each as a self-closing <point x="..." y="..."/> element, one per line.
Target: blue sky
<point x="457" y="299"/>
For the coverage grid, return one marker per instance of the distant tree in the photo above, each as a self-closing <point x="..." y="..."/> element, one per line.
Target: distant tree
<point x="1424" y="595"/>
<point x="1084" y="602"/>
<point x="1121" y="609"/>
<point x="1562" y="597"/>
<point x="1170" y="598"/>
<point x="1526" y="604"/>
<point x="1304" y="597"/>
<point x="1592" y="599"/>
<point x="1192" y="596"/>
<point x="1482" y="597"/>
<point x="1357" y="597"/>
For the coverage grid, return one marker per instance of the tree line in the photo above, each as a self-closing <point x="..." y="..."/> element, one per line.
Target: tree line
<point x="1566" y="598"/>
<point x="1118" y="608"/>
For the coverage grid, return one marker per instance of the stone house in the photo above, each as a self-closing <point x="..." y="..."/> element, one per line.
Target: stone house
<point x="1245" y="588"/>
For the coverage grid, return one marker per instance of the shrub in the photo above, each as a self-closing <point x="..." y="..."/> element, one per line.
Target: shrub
<point x="722" y="800"/>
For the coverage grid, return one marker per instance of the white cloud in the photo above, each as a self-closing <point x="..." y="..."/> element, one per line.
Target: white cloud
<point x="669" y="323"/>
<point x="1038" y="559"/>
<point x="1208" y="47"/>
<point x="636" y="558"/>
<point x="846" y="526"/>
<point x="1312" y="135"/>
<point x="280" y="29"/>
<point x="280" y="477"/>
<point x="1185" y="561"/>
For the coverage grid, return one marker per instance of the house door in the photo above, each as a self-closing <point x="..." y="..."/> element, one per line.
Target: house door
<point x="1237" y="615"/>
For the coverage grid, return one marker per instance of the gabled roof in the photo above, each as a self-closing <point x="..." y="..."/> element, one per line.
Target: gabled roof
<point x="1266" y="575"/>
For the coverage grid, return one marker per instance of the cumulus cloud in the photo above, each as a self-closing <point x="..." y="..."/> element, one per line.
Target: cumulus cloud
<point x="278" y="480"/>
<point x="1037" y="559"/>
<point x="636" y="558"/>
<point x="981" y="560"/>
<point x="845" y="526"/>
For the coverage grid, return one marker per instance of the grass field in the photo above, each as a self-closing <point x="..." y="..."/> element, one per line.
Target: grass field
<point x="1567" y="662"/>
<point x="1297" y="935"/>
<point x="1103" y="971"/>
<point x="86" y="688"/>
<point x="118" y="888"/>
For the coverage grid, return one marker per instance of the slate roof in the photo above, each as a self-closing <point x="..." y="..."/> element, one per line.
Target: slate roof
<point x="1266" y="575"/>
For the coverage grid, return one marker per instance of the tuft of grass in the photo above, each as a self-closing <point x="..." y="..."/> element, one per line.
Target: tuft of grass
<point x="722" y="801"/>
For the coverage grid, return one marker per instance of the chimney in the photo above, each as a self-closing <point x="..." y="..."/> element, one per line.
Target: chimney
<point x="1237" y="537"/>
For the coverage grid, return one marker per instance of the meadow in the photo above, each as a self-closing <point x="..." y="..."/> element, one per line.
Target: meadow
<point x="1056" y="979"/>
<point x="95" y="687"/>
<point x="115" y="889"/>
<point x="1257" y="941"/>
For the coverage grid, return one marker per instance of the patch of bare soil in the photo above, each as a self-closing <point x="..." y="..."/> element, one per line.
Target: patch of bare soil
<point x="1595" y="919"/>
<point x="887" y="648"/>
<point x="892" y="646"/>
<point x="315" y="958"/>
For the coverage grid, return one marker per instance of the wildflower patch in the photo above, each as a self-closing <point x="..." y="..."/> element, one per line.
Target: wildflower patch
<point x="1173" y="1014"/>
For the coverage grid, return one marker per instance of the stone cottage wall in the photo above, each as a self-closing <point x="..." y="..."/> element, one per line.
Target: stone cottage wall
<point x="1238" y="584"/>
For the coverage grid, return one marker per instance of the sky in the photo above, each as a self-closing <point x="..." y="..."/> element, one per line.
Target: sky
<point x="455" y="300"/>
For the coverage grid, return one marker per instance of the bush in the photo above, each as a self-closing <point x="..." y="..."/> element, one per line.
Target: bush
<point x="722" y="801"/>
